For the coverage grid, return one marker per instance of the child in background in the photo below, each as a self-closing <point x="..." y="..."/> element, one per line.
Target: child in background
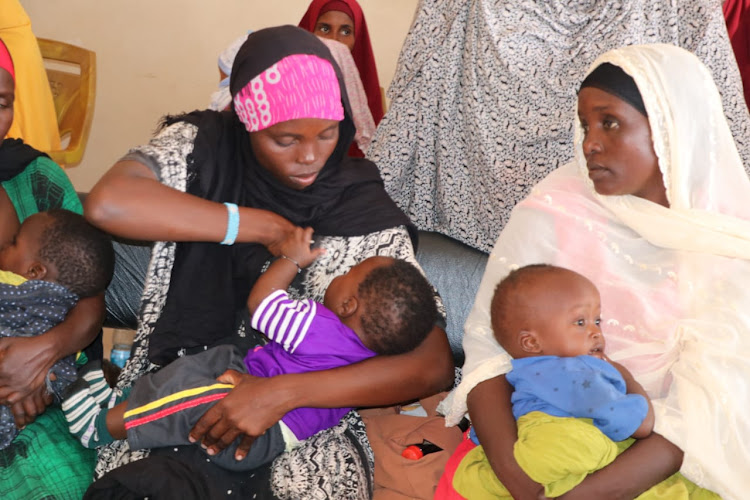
<point x="576" y="409"/>
<point x="343" y="21"/>
<point x="381" y="306"/>
<point x="55" y="259"/>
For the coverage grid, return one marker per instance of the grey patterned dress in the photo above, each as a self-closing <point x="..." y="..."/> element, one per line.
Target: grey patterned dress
<point x="484" y="95"/>
<point x="335" y="463"/>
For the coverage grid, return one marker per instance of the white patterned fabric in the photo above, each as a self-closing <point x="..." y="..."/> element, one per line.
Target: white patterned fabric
<point x="673" y="281"/>
<point x="361" y="114"/>
<point x="484" y="94"/>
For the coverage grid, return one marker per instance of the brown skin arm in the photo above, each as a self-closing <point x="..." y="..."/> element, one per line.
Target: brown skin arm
<point x="129" y="201"/>
<point x="255" y="404"/>
<point x="633" y="387"/>
<point x="648" y="462"/>
<point x="25" y="361"/>
<point x="492" y="417"/>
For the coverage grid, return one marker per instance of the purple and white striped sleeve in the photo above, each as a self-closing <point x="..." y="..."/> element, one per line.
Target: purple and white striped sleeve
<point x="283" y="320"/>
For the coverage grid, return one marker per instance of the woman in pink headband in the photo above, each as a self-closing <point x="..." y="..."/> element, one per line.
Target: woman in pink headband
<point x="217" y="191"/>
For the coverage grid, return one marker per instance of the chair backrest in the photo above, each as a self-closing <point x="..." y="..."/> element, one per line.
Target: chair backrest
<point x="71" y="72"/>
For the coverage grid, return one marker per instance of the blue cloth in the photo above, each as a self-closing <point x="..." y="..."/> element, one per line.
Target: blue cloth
<point x="583" y="387"/>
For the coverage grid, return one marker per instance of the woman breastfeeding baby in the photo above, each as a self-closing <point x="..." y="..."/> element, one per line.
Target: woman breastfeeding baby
<point x="218" y="192"/>
<point x="654" y="212"/>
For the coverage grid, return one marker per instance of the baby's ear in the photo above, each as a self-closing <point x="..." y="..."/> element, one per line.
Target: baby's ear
<point x="529" y="342"/>
<point x="348" y="307"/>
<point x="36" y="271"/>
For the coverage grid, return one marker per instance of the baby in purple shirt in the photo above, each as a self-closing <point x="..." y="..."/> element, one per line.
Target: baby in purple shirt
<point x="381" y="306"/>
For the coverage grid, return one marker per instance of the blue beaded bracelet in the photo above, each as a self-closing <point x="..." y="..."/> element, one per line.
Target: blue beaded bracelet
<point x="233" y="224"/>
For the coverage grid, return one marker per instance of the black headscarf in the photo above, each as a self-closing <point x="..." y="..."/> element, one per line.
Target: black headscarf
<point x="15" y="157"/>
<point x="210" y="282"/>
<point x="613" y="80"/>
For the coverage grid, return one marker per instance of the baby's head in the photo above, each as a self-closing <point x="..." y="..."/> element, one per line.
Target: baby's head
<point x="60" y="246"/>
<point x="388" y="302"/>
<point x="544" y="310"/>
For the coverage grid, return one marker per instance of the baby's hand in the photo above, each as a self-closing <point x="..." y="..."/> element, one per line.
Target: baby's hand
<point x="296" y="246"/>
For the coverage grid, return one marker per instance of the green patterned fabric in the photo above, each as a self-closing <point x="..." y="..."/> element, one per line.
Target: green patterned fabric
<point x="41" y="186"/>
<point x="44" y="461"/>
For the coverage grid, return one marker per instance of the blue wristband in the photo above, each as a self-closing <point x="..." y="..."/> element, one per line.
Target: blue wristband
<point x="233" y="224"/>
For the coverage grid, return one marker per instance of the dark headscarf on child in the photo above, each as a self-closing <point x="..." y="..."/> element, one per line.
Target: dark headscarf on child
<point x="362" y="52"/>
<point x="14" y="154"/>
<point x="210" y="282"/>
<point x="613" y="80"/>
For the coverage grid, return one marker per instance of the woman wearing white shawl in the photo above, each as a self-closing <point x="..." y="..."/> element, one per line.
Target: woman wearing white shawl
<point x="673" y="281"/>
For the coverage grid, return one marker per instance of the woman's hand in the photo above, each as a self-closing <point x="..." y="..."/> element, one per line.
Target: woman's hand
<point x="252" y="407"/>
<point x="24" y="364"/>
<point x="646" y="463"/>
<point x="279" y="231"/>
<point x="30" y="407"/>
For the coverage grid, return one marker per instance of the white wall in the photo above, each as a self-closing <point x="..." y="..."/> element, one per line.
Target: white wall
<point x="159" y="56"/>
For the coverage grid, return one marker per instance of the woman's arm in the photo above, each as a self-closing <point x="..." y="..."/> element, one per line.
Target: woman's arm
<point x="647" y="462"/>
<point x="130" y="202"/>
<point x="256" y="404"/>
<point x="492" y="417"/>
<point x="25" y="361"/>
<point x="633" y="387"/>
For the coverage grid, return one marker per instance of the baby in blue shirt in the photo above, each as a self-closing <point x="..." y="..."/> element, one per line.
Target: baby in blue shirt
<point x="576" y="409"/>
<point x="548" y="319"/>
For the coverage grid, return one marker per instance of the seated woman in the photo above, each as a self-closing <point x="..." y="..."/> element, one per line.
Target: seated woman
<point x="247" y="175"/>
<point x="35" y="117"/>
<point x="485" y="122"/>
<point x="344" y="21"/>
<point x="653" y="210"/>
<point x="42" y="461"/>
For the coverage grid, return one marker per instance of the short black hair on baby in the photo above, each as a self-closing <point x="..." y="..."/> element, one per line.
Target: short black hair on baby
<point x="399" y="308"/>
<point x="82" y="254"/>
<point x="508" y="302"/>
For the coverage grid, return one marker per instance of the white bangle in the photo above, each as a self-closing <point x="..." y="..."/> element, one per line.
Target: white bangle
<point x="299" y="269"/>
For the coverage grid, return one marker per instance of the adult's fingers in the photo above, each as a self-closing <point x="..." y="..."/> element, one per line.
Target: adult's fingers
<point x="244" y="447"/>
<point x="19" y="415"/>
<point x="205" y="424"/>
<point x="230" y="377"/>
<point x="223" y="441"/>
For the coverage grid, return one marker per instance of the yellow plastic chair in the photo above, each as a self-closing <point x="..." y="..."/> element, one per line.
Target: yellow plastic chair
<point x="71" y="71"/>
